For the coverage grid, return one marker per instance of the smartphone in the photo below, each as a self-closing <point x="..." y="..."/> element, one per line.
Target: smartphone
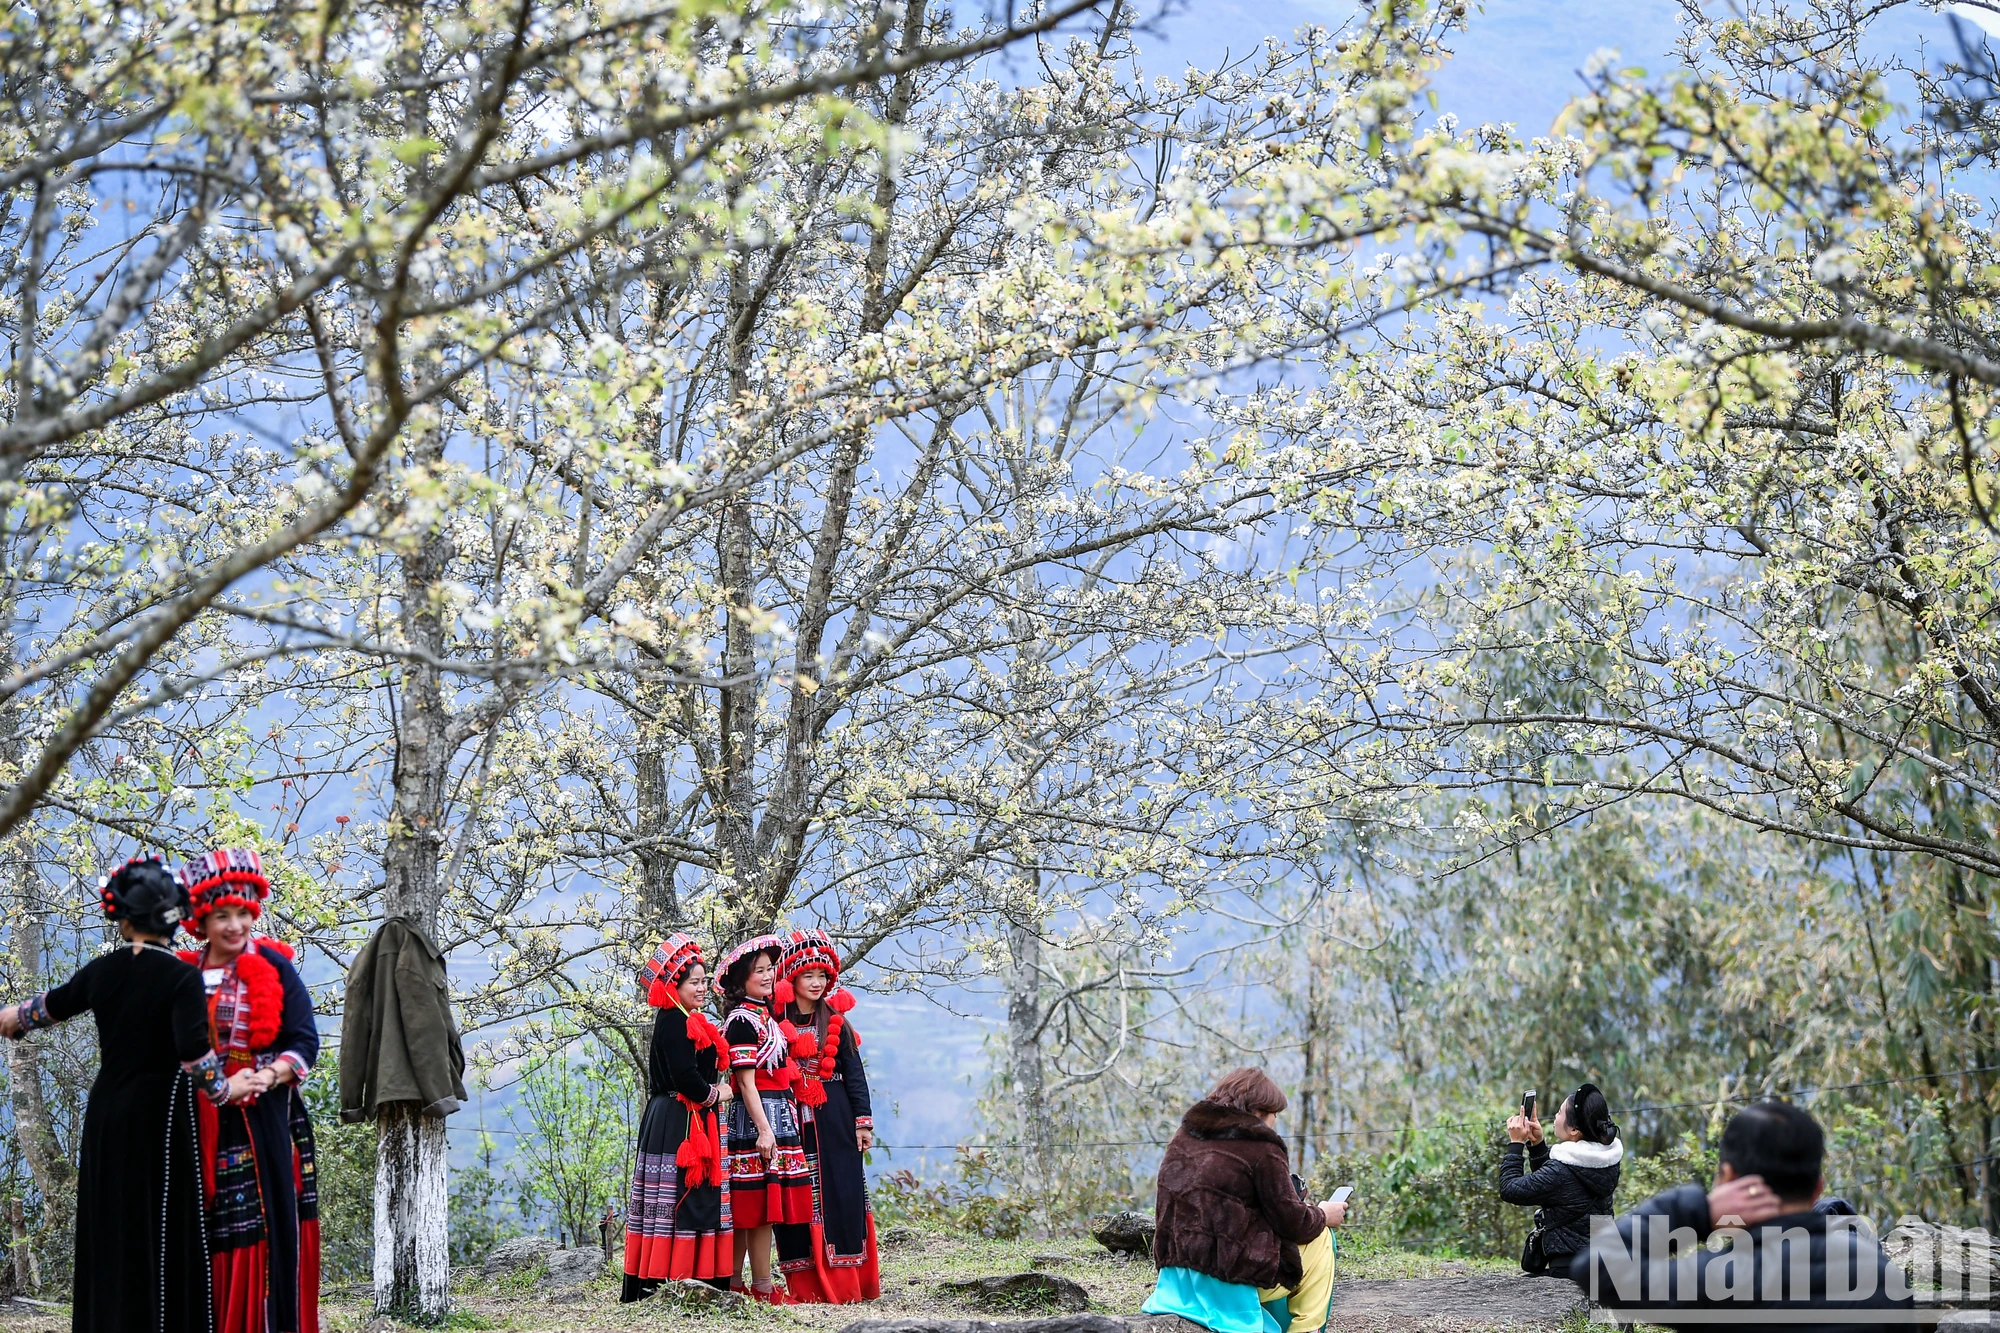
<point x="1340" y="1195"/>
<point x="1528" y="1104"/>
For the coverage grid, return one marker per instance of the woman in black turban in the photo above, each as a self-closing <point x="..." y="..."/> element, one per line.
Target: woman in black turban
<point x="141" y="1263"/>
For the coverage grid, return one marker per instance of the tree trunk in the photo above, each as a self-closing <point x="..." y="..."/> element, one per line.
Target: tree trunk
<point x="658" y="897"/>
<point x="47" y="1162"/>
<point x="1024" y="1052"/>
<point x="1309" y="1070"/>
<point x="412" y="1259"/>
<point x="412" y="1274"/>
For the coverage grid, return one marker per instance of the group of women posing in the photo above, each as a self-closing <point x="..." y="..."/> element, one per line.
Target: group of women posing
<point x="195" y="1208"/>
<point x="753" y="1136"/>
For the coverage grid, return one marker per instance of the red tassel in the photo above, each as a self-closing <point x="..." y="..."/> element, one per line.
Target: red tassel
<point x="660" y="997"/>
<point x="813" y="1093"/>
<point x="781" y="994"/>
<point x="698" y="1154"/>
<point x="704" y="1034"/>
<point x="841" y="1000"/>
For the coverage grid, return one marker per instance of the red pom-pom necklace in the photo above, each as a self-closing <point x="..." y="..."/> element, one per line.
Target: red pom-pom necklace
<point x="812" y="1090"/>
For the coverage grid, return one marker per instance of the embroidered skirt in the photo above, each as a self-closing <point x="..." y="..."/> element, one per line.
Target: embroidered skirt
<point x="774" y="1193"/>
<point x="835" y="1263"/>
<point x="673" y="1229"/>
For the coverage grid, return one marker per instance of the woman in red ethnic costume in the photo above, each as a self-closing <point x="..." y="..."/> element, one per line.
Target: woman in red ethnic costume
<point x="257" y="1154"/>
<point x="769" y="1188"/>
<point x="838" y="1264"/>
<point x="677" y="1222"/>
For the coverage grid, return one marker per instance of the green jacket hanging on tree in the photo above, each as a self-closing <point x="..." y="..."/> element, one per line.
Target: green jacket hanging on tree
<point x="398" y="1040"/>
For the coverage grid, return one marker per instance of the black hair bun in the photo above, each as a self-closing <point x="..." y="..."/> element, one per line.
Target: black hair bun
<point x="143" y="892"/>
<point x="1590" y="1114"/>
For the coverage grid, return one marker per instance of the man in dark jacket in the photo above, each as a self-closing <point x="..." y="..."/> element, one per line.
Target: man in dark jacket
<point x="1785" y="1263"/>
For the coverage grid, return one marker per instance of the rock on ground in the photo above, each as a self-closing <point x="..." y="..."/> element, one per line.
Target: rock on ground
<point x="1130" y="1233"/>
<point x="1018" y="1290"/>
<point x="1963" y="1265"/>
<point x="1479" y="1300"/>
<point x="512" y="1256"/>
<point x="693" y="1295"/>
<point x="571" y="1268"/>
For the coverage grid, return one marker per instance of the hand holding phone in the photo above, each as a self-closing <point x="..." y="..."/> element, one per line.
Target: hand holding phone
<point x="1340" y="1195"/>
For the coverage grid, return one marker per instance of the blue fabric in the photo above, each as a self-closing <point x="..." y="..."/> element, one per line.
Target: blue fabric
<point x="1223" y="1307"/>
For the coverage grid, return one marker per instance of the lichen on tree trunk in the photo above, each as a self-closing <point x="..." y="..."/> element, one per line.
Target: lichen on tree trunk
<point x="412" y="1259"/>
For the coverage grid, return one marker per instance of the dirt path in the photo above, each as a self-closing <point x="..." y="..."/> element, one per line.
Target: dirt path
<point x="1479" y="1300"/>
<point x="1446" y="1304"/>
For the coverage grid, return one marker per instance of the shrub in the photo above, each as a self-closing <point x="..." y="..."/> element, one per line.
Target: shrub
<point x="972" y="1200"/>
<point x="345" y="1165"/>
<point x="1441" y="1190"/>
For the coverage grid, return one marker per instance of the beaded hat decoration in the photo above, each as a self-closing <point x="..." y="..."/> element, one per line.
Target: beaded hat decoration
<point x="225" y="877"/>
<point x="756" y="944"/>
<point x="804" y="950"/>
<point x="664" y="970"/>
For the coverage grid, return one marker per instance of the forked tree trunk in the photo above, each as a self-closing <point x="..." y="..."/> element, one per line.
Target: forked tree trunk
<point x="412" y="1259"/>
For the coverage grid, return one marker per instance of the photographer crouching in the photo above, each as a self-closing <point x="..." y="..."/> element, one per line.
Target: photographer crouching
<point x="1567" y="1183"/>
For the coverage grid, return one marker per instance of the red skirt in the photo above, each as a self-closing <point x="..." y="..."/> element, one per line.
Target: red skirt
<point x="774" y="1193"/>
<point x="237" y="1198"/>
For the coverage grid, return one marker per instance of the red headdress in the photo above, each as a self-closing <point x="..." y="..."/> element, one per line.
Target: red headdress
<point x="664" y="970"/>
<point x="225" y="877"/>
<point x="804" y="951"/>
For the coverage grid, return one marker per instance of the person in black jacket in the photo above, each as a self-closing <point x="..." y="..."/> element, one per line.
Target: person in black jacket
<point x="1568" y="1183"/>
<point x="1788" y="1263"/>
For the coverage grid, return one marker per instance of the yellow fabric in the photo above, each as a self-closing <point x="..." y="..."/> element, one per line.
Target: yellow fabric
<point x="1309" y="1300"/>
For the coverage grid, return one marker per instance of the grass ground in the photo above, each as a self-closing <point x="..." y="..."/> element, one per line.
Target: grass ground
<point x="913" y="1272"/>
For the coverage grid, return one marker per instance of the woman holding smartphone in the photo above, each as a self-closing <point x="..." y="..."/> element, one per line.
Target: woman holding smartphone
<point x="1567" y="1184"/>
